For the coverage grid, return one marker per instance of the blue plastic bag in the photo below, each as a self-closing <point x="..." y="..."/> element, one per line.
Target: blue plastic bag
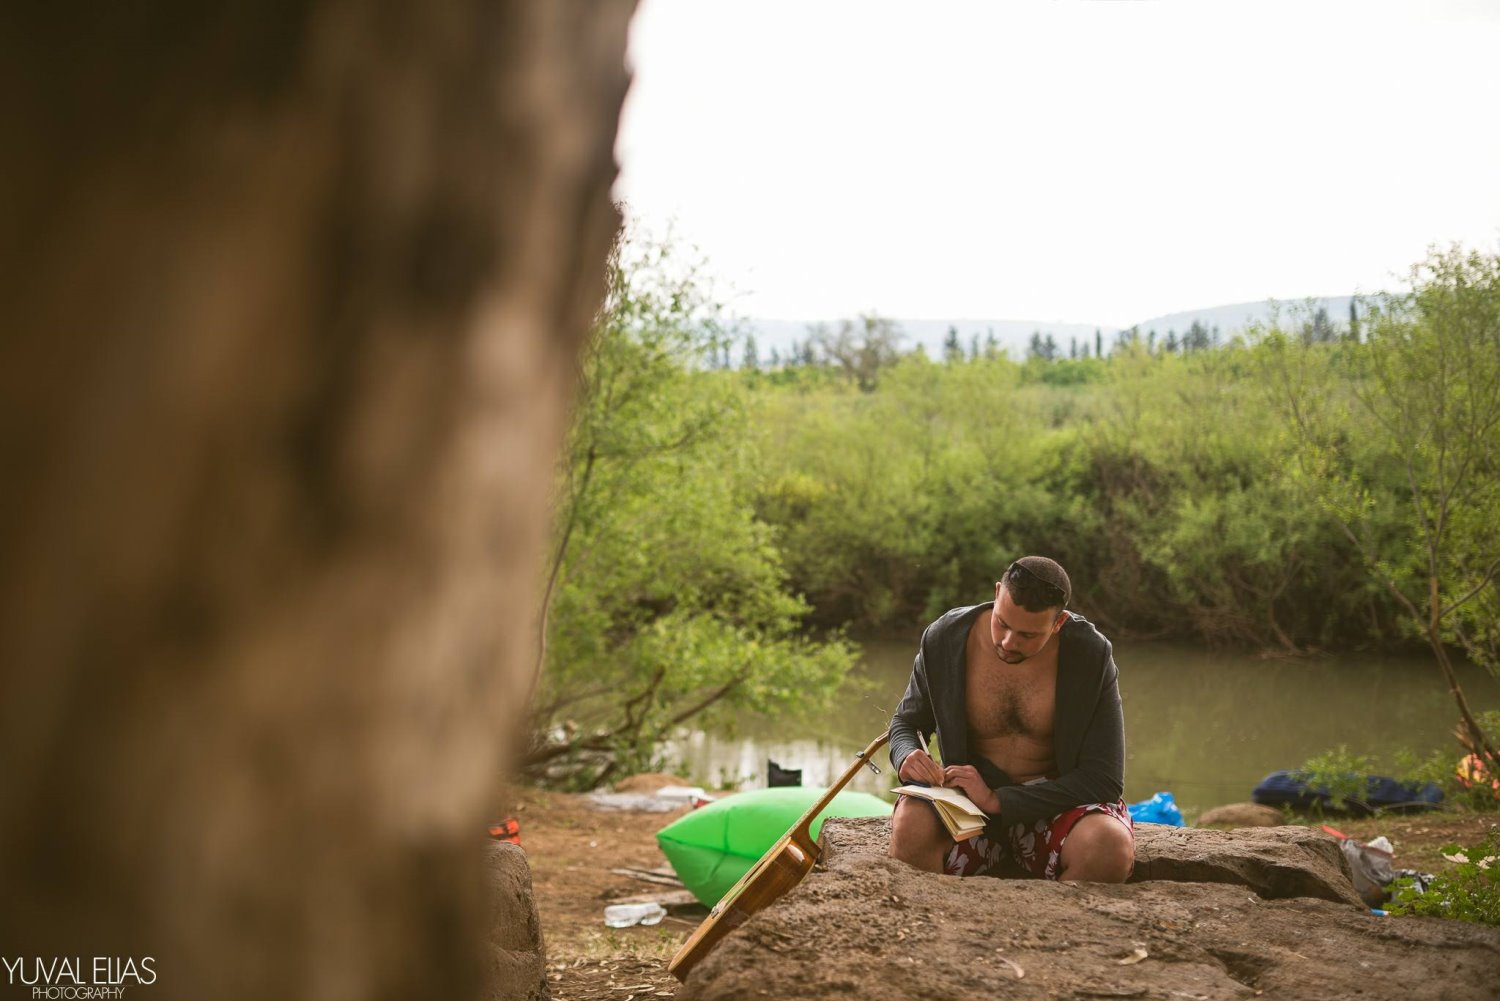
<point x="1159" y="809"/>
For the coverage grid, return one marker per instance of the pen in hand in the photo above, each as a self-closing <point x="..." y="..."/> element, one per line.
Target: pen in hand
<point x="918" y="766"/>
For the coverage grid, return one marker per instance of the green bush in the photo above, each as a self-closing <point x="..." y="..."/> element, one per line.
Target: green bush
<point x="1469" y="892"/>
<point x="1340" y="773"/>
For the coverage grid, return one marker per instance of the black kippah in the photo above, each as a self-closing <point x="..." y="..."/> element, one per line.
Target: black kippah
<point x="1050" y="572"/>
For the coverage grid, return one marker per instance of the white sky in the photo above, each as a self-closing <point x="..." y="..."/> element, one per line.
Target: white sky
<point x="1060" y="160"/>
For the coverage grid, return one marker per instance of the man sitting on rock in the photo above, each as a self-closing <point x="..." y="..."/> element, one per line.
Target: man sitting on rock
<point x="1024" y="699"/>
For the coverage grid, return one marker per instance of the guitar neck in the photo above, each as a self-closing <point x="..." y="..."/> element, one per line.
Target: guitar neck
<point x="801" y="832"/>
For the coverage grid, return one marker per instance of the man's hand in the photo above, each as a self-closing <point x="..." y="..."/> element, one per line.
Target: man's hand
<point x="966" y="779"/>
<point x="918" y="766"/>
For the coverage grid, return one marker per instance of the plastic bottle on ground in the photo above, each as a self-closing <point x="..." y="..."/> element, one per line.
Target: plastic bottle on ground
<point x="625" y="915"/>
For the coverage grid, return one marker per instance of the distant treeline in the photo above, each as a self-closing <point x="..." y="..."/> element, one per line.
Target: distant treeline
<point x="826" y="343"/>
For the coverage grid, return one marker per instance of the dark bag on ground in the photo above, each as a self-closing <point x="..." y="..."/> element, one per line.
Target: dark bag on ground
<point x="1287" y="788"/>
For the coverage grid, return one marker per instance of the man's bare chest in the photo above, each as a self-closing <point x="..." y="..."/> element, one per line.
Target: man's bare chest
<point x="1003" y="702"/>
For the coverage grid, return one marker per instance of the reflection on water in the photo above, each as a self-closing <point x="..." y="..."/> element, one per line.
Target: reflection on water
<point x="1205" y="726"/>
<point x="741" y="763"/>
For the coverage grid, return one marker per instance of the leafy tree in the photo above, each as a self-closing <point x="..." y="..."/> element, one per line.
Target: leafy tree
<point x="1196" y="338"/>
<point x="750" y="361"/>
<point x="887" y="502"/>
<point x="1194" y="519"/>
<point x="1316" y="328"/>
<point x="952" y="351"/>
<point x="1042" y="347"/>
<point x="1425" y="402"/>
<point x="858" y="348"/>
<point x="1068" y="372"/>
<point x="991" y="346"/>
<point x="667" y="595"/>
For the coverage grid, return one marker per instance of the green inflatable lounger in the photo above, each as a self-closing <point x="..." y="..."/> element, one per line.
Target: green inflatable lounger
<point x="712" y="847"/>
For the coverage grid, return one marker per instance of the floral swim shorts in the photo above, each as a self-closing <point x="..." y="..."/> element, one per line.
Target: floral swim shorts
<point x="1032" y="849"/>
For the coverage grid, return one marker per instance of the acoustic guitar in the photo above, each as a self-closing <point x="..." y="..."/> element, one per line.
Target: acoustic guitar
<point x="779" y="869"/>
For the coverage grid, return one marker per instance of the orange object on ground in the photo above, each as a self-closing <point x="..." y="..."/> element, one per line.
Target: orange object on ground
<point x="508" y="830"/>
<point x="1471" y="771"/>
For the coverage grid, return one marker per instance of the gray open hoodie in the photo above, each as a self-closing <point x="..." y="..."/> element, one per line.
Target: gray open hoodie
<point x="1088" y="734"/>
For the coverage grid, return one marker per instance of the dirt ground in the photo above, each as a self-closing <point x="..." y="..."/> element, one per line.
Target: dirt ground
<point x="571" y="847"/>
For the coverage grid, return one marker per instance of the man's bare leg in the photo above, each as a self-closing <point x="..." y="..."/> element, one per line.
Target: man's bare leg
<point x="918" y="838"/>
<point x="1099" y="849"/>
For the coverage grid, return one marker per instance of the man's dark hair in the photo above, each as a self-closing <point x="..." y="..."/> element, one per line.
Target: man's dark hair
<point x="1037" y="583"/>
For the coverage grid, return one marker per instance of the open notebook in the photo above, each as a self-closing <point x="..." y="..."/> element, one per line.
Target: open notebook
<point x="958" y="812"/>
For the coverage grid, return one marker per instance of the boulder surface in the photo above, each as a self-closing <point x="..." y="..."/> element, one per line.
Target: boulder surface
<point x="863" y="925"/>
<point x="1275" y="862"/>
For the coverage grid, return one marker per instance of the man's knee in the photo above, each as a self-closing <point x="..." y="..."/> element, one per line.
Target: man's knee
<point x="1099" y="849"/>
<point x="917" y="836"/>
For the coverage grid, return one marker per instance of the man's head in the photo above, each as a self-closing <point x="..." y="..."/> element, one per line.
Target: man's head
<point x="1029" y="601"/>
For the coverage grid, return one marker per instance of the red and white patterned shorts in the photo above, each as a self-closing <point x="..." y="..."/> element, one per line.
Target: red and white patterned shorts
<point x="1033" y="849"/>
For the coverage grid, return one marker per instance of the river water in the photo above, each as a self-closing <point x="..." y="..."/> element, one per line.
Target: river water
<point x="1205" y="726"/>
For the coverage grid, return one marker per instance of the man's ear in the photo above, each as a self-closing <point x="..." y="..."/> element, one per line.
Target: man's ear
<point x="1062" y="617"/>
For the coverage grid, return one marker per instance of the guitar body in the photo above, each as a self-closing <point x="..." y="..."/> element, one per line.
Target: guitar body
<point x="779" y="869"/>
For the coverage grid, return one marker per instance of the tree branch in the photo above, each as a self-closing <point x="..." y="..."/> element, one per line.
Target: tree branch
<point x="708" y="700"/>
<point x="1488" y="574"/>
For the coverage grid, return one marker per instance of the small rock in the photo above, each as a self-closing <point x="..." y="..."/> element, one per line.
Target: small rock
<point x="518" y="961"/>
<point x="1242" y="815"/>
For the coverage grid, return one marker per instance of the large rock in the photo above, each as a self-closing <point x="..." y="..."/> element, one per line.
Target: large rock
<point x="1275" y="862"/>
<point x="866" y="926"/>
<point x="518" y="957"/>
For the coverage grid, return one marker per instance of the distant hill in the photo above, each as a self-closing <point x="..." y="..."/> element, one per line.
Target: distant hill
<point x="1013" y="336"/>
<point x="1243" y="315"/>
